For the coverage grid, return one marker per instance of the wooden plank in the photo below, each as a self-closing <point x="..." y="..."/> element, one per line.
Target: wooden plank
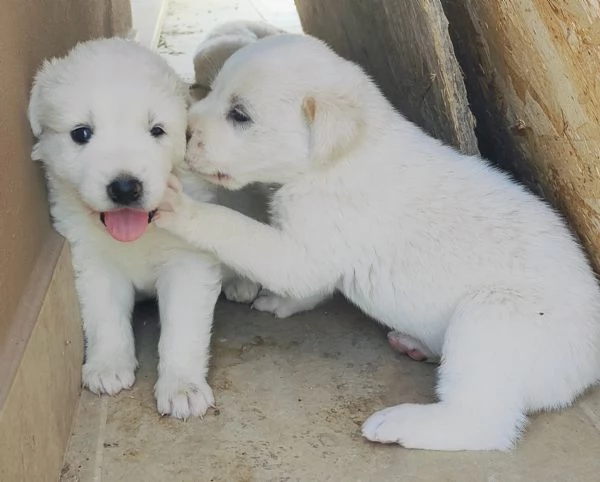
<point x="405" y="46"/>
<point x="36" y="416"/>
<point x="532" y="71"/>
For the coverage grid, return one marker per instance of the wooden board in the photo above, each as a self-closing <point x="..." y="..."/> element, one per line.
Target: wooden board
<point x="405" y="46"/>
<point x="532" y="72"/>
<point x="40" y="402"/>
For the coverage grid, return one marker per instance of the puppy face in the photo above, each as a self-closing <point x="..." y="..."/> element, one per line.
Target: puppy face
<point x="279" y="108"/>
<point x="110" y="119"/>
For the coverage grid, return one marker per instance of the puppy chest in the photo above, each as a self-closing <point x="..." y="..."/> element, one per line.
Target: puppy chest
<point x="139" y="262"/>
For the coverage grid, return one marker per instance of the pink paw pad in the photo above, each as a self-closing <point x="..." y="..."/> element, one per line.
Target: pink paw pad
<point x="406" y="345"/>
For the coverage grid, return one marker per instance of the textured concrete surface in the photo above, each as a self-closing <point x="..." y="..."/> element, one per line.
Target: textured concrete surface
<point x="291" y="394"/>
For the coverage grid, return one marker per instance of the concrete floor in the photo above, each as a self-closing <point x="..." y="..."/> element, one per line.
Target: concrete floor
<point x="291" y="394"/>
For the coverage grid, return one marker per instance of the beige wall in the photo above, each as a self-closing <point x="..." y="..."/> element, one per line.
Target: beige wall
<point x="40" y="336"/>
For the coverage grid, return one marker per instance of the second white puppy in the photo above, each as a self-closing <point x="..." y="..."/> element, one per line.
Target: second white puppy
<point x="434" y="244"/>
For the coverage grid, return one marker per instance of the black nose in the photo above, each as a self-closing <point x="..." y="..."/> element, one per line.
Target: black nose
<point x="125" y="190"/>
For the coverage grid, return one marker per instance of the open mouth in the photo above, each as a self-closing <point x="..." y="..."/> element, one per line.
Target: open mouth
<point x="126" y="224"/>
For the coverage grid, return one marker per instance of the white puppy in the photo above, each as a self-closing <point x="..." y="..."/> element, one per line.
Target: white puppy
<point x="438" y="245"/>
<point x="210" y="56"/>
<point x="111" y="122"/>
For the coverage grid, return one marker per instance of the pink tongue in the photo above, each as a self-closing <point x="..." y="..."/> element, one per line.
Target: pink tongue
<point x="126" y="224"/>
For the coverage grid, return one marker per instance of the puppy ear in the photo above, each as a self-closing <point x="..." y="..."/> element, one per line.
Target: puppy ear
<point x="196" y="92"/>
<point x="35" y="108"/>
<point x="35" y="99"/>
<point x="335" y="123"/>
<point x="212" y="55"/>
<point x="36" y="104"/>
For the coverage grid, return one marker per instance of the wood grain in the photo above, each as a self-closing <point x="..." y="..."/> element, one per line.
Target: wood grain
<point x="405" y="46"/>
<point x="532" y="72"/>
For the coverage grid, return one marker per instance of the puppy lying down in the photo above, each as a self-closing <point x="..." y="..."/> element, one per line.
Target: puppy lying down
<point x="110" y="118"/>
<point x="437" y="245"/>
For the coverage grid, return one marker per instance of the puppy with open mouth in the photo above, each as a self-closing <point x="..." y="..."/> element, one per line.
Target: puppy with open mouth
<point x="110" y="118"/>
<point x="439" y="246"/>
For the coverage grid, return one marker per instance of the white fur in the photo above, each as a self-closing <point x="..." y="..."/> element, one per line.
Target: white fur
<point x="210" y="56"/>
<point x="219" y="45"/>
<point x="122" y="89"/>
<point x="285" y="306"/>
<point x="437" y="245"/>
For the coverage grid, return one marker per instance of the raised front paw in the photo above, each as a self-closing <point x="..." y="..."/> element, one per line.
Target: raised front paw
<point x="109" y="376"/>
<point x="182" y="398"/>
<point x="240" y="290"/>
<point x="173" y="207"/>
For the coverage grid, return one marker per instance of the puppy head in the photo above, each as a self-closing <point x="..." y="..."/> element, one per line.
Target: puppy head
<point x="279" y="108"/>
<point x="110" y="120"/>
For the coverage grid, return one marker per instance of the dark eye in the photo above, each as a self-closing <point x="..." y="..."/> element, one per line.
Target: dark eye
<point x="188" y="136"/>
<point x="237" y="115"/>
<point x="82" y="134"/>
<point x="157" y="131"/>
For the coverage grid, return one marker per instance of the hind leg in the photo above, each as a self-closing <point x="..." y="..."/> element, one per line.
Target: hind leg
<point x="411" y="347"/>
<point x="481" y="384"/>
<point x="285" y="306"/>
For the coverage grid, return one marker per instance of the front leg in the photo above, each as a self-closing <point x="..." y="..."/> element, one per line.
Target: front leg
<point x="106" y="298"/>
<point x="258" y="251"/>
<point x="188" y="288"/>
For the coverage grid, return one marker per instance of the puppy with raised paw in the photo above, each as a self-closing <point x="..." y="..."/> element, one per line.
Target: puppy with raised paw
<point x="439" y="246"/>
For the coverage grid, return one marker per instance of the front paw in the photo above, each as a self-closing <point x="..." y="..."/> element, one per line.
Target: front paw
<point x="240" y="290"/>
<point x="181" y="398"/>
<point x="109" y="375"/>
<point x="172" y="205"/>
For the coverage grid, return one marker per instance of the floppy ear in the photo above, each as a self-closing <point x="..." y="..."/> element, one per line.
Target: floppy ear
<point x="210" y="57"/>
<point x="34" y="110"/>
<point x="335" y="124"/>
<point x="35" y="99"/>
<point x="196" y="92"/>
